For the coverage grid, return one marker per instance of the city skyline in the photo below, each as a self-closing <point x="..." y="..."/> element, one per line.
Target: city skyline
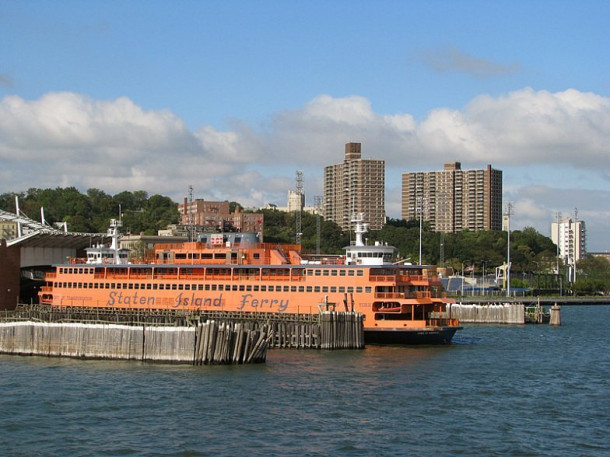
<point x="233" y="97"/>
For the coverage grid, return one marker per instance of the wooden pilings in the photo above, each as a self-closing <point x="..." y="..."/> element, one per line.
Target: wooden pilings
<point x="341" y="330"/>
<point x="495" y="313"/>
<point x="171" y="336"/>
<point x="228" y="343"/>
<point x="210" y="343"/>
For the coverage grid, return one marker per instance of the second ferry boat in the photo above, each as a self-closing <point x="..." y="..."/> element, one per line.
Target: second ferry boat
<point x="401" y="304"/>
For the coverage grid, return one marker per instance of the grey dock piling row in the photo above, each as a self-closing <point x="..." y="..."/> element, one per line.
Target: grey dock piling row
<point x="173" y="336"/>
<point x="494" y="313"/>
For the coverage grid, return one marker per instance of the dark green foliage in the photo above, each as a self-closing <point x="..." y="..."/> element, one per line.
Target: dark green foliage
<point x="91" y="212"/>
<point x="531" y="252"/>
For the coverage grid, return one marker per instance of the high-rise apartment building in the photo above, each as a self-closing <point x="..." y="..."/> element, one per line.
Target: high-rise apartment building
<point x="355" y="186"/>
<point x="570" y="237"/>
<point x="453" y="199"/>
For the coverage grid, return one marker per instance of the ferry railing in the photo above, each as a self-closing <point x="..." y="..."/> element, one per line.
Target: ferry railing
<point x="414" y="294"/>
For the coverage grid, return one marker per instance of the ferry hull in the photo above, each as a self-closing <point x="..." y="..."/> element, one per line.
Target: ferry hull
<point x="436" y="335"/>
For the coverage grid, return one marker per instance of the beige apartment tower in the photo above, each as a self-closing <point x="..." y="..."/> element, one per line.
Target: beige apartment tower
<point x="453" y="199"/>
<point x="355" y="186"/>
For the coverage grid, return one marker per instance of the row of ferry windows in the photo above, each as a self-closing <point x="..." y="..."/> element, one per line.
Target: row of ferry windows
<point x="76" y="271"/>
<point x="219" y="287"/>
<point x="286" y="271"/>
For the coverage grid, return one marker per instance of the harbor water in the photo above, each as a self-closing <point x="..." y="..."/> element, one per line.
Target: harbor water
<point x="498" y="390"/>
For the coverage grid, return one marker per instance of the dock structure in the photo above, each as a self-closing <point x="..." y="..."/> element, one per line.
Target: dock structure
<point x="488" y="313"/>
<point x="174" y="336"/>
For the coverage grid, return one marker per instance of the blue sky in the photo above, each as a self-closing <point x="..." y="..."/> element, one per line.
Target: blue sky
<point x="233" y="97"/>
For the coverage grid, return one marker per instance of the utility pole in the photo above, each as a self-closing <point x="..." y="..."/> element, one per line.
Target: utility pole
<point x="318" y="205"/>
<point x="299" y="228"/>
<point x="190" y="214"/>
<point x="509" y="208"/>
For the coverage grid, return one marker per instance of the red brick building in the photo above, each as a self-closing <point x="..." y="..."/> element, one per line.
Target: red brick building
<point x="218" y="216"/>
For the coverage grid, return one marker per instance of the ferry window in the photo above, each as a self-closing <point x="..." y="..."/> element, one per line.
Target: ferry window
<point x="342" y="289"/>
<point x="257" y="255"/>
<point x="235" y="287"/>
<point x="350" y="290"/>
<point x="333" y="288"/>
<point x="80" y="271"/>
<point x="173" y="286"/>
<point x="118" y="285"/>
<point x="293" y="288"/>
<point x="70" y="271"/>
<point x="270" y="288"/>
<point x="360" y="273"/>
<point x="255" y="288"/>
<point x="148" y="286"/>
<point x="248" y="288"/>
<point x="161" y="286"/>
<point x="108" y="286"/>
<point x="316" y="289"/>
<point x="350" y="272"/>
<point x="263" y="288"/>
<point x="358" y="290"/>
<point x="333" y="272"/>
<point x="286" y="288"/>
<point x="180" y="256"/>
<point x="96" y="286"/>
<point x="131" y="285"/>
<point x="214" y="286"/>
<point x="180" y="286"/>
<point x="85" y="285"/>
<point x="325" y="289"/>
<point x="325" y="272"/>
<point x="207" y="287"/>
<point x="341" y="272"/>
<point x="301" y="288"/>
<point x="368" y="289"/>
<point x="80" y="285"/>
<point x="200" y="287"/>
<point x="206" y="255"/>
<point x="242" y="288"/>
<point x="309" y="289"/>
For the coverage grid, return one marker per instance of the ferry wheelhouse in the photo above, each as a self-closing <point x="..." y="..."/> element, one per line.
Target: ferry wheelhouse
<point x="402" y="304"/>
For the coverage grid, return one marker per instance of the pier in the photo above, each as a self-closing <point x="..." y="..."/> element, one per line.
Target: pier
<point x="172" y="336"/>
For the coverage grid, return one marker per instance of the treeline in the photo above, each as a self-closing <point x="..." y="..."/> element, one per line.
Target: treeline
<point x="476" y="252"/>
<point x="92" y="211"/>
<point x="531" y="253"/>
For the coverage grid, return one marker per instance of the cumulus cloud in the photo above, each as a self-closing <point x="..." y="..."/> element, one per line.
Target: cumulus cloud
<point x="449" y="59"/>
<point x="68" y="139"/>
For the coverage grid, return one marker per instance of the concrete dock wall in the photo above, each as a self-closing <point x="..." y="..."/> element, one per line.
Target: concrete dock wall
<point x="494" y="313"/>
<point x="111" y="341"/>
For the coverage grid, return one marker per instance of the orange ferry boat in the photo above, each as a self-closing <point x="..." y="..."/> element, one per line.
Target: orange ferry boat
<point x="402" y="304"/>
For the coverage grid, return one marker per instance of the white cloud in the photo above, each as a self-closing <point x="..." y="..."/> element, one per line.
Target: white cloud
<point x="68" y="139"/>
